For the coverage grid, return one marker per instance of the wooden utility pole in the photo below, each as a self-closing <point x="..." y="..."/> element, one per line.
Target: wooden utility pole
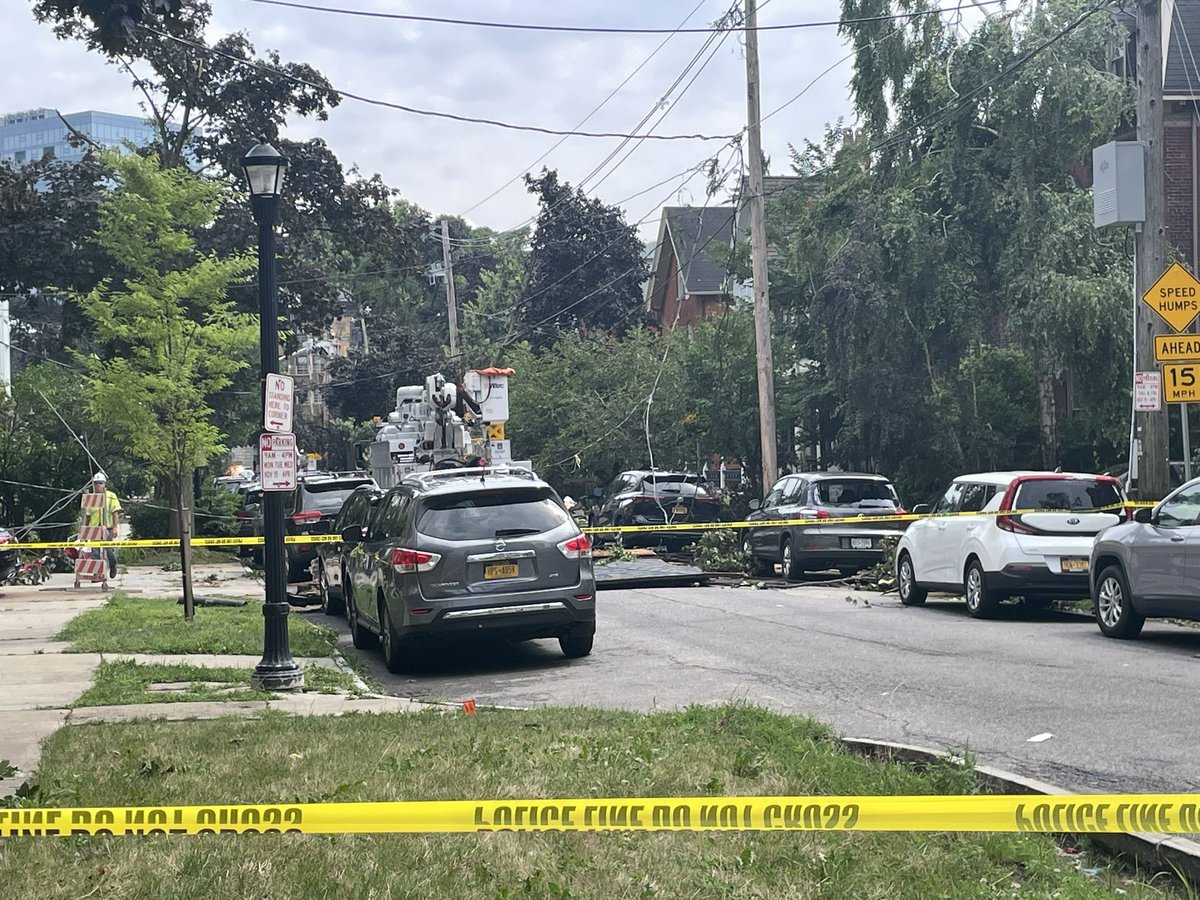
<point x="758" y="257"/>
<point x="451" y="303"/>
<point x="1153" y="429"/>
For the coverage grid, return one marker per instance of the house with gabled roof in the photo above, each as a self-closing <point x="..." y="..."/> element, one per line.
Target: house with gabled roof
<point x="688" y="276"/>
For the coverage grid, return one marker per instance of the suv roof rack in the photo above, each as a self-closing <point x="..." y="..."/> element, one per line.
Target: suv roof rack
<point x="471" y="472"/>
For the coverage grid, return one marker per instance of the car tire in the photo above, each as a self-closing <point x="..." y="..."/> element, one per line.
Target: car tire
<point x="759" y="568"/>
<point x="360" y="637"/>
<point x="791" y="571"/>
<point x="911" y="593"/>
<point x="1112" y="605"/>
<point x="390" y="643"/>
<point x="330" y="605"/>
<point x="982" y="603"/>
<point x="576" y="645"/>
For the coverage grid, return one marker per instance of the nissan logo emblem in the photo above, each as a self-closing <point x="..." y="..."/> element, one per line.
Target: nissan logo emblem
<point x="500" y="545"/>
<point x="1072" y="521"/>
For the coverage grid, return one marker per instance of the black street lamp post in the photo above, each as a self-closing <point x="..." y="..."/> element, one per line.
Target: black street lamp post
<point x="276" y="671"/>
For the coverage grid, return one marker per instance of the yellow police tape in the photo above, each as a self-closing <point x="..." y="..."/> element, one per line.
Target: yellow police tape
<point x="1081" y="813"/>
<point x="891" y="518"/>
<point x="614" y="529"/>
<point x="174" y="542"/>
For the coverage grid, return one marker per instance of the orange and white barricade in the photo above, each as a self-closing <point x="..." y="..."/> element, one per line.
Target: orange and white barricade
<point x="92" y="562"/>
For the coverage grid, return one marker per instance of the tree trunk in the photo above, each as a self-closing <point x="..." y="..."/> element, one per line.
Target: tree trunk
<point x="1048" y="421"/>
<point x="181" y="505"/>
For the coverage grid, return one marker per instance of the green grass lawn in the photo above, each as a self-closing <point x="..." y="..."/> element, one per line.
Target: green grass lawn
<point x="118" y="682"/>
<point x="545" y="753"/>
<point x="152" y="625"/>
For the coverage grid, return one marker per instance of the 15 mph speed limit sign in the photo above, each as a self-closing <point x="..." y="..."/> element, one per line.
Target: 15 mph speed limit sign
<point x="1181" y="382"/>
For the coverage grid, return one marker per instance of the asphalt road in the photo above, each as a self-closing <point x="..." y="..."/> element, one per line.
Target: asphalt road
<point x="1122" y="715"/>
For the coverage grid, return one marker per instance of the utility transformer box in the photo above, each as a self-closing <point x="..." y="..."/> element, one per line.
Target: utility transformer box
<point x="1119" y="184"/>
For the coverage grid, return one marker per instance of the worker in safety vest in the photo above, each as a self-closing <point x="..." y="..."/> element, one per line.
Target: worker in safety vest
<point x="107" y="515"/>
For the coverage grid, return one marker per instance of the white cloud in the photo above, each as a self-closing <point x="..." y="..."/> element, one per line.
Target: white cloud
<point x="545" y="79"/>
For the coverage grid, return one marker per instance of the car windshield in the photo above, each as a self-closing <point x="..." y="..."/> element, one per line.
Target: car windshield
<point x="1066" y="494"/>
<point x="328" y="497"/>
<point x="481" y="516"/>
<point x="856" y="492"/>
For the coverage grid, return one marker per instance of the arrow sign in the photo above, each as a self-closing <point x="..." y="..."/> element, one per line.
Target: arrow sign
<point x="277" y="403"/>
<point x="277" y="462"/>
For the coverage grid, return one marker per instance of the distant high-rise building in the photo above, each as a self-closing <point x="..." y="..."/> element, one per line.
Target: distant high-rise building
<point x="30" y="135"/>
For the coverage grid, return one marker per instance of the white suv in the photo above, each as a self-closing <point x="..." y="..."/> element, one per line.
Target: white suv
<point x="1034" y="539"/>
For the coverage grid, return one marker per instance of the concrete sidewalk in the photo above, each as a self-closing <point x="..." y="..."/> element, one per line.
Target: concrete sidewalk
<point x="41" y="681"/>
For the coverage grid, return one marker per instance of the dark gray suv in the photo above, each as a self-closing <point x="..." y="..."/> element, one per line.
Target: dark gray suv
<point x="469" y="551"/>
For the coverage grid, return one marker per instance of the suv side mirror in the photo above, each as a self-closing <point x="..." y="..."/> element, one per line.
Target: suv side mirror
<point x="755" y="505"/>
<point x="1143" y="514"/>
<point x="354" y="534"/>
<point x="921" y="509"/>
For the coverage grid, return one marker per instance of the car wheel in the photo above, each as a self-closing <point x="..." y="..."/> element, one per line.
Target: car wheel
<point x="911" y="593"/>
<point x="758" y="568"/>
<point x="390" y="643"/>
<point x="330" y="605"/>
<point x="791" y="571"/>
<point x="1113" y="605"/>
<point x="576" y="645"/>
<point x="981" y="602"/>
<point x="359" y="635"/>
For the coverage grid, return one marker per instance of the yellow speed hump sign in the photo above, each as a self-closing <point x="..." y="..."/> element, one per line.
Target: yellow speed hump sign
<point x="1175" y="297"/>
<point x="1176" y="347"/>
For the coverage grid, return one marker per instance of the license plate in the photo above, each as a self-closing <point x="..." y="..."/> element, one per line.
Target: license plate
<point x="490" y="572"/>
<point x="1075" y="564"/>
<point x="860" y="543"/>
<point x="680" y="510"/>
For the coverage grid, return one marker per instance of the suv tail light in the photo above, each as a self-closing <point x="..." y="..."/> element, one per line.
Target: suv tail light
<point x="307" y="517"/>
<point x="1008" y="523"/>
<point x="413" y="560"/>
<point x="577" y="548"/>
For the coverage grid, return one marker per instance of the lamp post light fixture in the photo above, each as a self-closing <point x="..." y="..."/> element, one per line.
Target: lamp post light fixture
<point x="265" y="168"/>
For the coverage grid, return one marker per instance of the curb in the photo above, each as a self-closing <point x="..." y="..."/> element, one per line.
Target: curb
<point x="1159" y="852"/>
<point x="341" y="665"/>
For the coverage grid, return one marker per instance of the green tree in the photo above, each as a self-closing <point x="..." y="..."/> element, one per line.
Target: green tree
<point x="180" y="338"/>
<point x="586" y="264"/>
<point x="945" y="254"/>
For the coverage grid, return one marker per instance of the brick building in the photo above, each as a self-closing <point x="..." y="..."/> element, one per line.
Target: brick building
<point x="1181" y="117"/>
<point x="688" y="279"/>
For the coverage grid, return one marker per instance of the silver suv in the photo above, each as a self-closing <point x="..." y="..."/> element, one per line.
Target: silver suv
<point x="465" y="551"/>
<point x="1149" y="567"/>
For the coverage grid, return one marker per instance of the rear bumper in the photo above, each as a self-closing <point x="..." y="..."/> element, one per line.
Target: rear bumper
<point x="814" y="549"/>
<point x="1021" y="578"/>
<point x="519" y="616"/>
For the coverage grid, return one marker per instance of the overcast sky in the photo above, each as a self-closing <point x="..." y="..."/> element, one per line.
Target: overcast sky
<point x="537" y="78"/>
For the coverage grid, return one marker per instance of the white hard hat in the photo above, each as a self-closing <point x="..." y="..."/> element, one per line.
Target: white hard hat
<point x="99" y="476"/>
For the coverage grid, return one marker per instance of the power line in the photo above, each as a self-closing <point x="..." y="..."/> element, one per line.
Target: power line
<point x="599" y="106"/>
<point x="417" y="111"/>
<point x="596" y="29"/>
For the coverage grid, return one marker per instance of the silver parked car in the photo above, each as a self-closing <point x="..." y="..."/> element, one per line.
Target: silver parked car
<point x="816" y="496"/>
<point x="1149" y="567"/>
<point x="469" y="551"/>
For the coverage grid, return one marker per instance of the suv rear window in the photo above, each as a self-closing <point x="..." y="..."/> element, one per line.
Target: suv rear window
<point x="1066" y="494"/>
<point x="482" y="516"/>
<point x="854" y="491"/>
<point x="328" y="496"/>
